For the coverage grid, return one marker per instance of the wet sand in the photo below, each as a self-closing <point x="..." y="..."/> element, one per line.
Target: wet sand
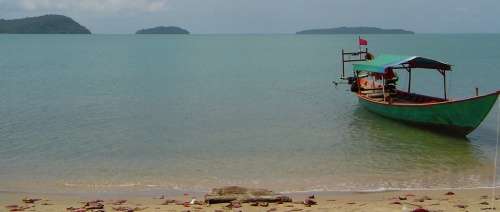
<point x="418" y="201"/>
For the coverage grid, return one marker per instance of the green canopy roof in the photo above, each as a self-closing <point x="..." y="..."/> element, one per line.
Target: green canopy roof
<point x="382" y="62"/>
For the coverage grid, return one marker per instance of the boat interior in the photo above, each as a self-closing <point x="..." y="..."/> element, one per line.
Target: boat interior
<point x="375" y="78"/>
<point x="400" y="97"/>
<point x="373" y="91"/>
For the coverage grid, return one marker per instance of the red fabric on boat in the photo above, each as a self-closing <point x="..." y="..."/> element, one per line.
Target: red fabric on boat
<point x="389" y="74"/>
<point x="363" y="42"/>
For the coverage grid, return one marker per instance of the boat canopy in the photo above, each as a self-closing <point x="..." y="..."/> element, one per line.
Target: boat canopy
<point x="382" y="62"/>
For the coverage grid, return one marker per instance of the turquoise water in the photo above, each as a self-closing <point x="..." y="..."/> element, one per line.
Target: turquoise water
<point x="146" y="113"/>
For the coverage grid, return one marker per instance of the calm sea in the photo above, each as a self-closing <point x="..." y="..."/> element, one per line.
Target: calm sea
<point x="147" y="113"/>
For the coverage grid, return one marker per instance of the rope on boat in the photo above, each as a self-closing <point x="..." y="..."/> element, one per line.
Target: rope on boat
<point x="496" y="158"/>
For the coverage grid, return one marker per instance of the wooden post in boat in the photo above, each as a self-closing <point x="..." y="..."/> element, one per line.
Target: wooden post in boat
<point x="358" y="82"/>
<point x="343" y="65"/>
<point x="360" y="51"/>
<point x="409" y="80"/>
<point x="383" y="87"/>
<point x="477" y="91"/>
<point x="444" y="82"/>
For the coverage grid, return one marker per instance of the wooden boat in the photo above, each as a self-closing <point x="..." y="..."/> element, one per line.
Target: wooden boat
<point x="455" y="117"/>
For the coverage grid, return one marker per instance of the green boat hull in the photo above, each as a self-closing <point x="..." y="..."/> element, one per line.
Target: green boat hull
<point x="458" y="118"/>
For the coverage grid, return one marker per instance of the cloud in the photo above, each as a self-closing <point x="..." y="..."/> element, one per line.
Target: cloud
<point x="93" y="5"/>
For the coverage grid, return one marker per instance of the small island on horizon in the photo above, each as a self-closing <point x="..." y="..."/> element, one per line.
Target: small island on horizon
<point x="46" y="24"/>
<point x="355" y="30"/>
<point x="164" y="30"/>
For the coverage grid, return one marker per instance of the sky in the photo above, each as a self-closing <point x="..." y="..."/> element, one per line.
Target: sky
<point x="266" y="16"/>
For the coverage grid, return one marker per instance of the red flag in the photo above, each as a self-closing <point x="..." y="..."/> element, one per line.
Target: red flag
<point x="363" y="42"/>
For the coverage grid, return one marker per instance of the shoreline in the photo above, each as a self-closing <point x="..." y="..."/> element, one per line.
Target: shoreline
<point x="201" y="192"/>
<point x="478" y="199"/>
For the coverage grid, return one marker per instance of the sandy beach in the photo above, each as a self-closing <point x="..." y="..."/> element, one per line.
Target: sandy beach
<point x="433" y="200"/>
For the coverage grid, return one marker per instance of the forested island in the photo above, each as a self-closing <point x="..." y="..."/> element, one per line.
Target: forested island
<point x="355" y="30"/>
<point x="164" y="30"/>
<point x="46" y="24"/>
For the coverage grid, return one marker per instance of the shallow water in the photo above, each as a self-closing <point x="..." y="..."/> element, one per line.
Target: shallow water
<point x="144" y="113"/>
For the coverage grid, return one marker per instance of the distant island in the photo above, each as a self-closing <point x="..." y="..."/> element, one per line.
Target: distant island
<point x="164" y="30"/>
<point x="356" y="30"/>
<point x="46" y="24"/>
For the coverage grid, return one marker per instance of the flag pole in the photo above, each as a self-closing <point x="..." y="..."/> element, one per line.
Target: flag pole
<point x="359" y="44"/>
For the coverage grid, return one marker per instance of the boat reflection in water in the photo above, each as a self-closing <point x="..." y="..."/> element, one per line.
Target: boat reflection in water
<point x="399" y="156"/>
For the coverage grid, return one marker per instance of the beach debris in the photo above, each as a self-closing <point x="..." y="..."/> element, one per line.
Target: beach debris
<point x="402" y="198"/>
<point x="295" y="209"/>
<point x="264" y="204"/>
<point x="420" y="210"/>
<point x="128" y="209"/>
<point x="484" y="203"/>
<point x="449" y="193"/>
<point x="46" y="203"/>
<point x="93" y="205"/>
<point x="484" y="197"/>
<point x="196" y="202"/>
<point x="272" y="209"/>
<point x="72" y="209"/>
<point x="254" y="204"/>
<point x="243" y="195"/>
<point x="461" y="206"/>
<point x="234" y="204"/>
<point x="119" y="202"/>
<point x="410" y="195"/>
<point x="192" y="201"/>
<point x="396" y="203"/>
<point x="351" y="203"/>
<point x="308" y="202"/>
<point x="17" y="207"/>
<point x="30" y="200"/>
